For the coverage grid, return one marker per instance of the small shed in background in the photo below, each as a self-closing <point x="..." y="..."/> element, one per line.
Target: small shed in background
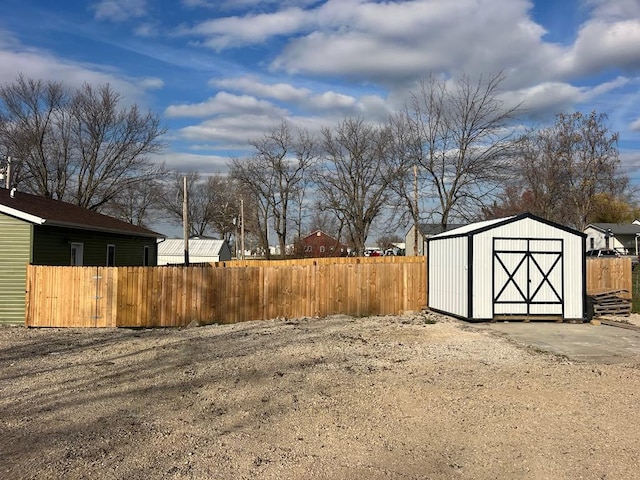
<point x="522" y="268"/>
<point x="425" y="231"/>
<point x="201" y="250"/>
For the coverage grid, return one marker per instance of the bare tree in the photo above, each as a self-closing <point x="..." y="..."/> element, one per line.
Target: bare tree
<point x="566" y="166"/>
<point x="79" y="146"/>
<point x="35" y="129"/>
<point x="113" y="145"/>
<point x="225" y="193"/>
<point x="407" y="152"/>
<point x="199" y="202"/>
<point x="325" y="221"/>
<point x="275" y="175"/>
<point x="356" y="174"/>
<point x="461" y="137"/>
<point x="138" y="203"/>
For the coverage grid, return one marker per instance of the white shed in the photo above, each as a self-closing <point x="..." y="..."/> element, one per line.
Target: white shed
<point x="201" y="250"/>
<point x="522" y="268"/>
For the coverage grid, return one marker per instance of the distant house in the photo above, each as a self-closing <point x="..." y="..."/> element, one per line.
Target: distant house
<point x="320" y="244"/>
<point x="623" y="237"/>
<point x="42" y="231"/>
<point x="201" y="250"/>
<point x="425" y="231"/>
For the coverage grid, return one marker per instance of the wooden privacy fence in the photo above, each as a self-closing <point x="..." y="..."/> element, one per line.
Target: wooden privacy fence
<point x="606" y="274"/>
<point x="176" y="296"/>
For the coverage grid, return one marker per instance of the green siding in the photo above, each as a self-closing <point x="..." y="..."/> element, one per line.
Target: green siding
<point x="15" y="255"/>
<point x="52" y="246"/>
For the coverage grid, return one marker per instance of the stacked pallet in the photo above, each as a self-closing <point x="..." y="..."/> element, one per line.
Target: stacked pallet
<point x="612" y="302"/>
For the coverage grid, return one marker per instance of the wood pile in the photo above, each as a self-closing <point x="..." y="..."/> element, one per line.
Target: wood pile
<point x="612" y="302"/>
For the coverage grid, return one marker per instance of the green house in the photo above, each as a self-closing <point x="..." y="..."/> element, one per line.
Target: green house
<point x="41" y="231"/>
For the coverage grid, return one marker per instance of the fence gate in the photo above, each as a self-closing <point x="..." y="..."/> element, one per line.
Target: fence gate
<point x="528" y="277"/>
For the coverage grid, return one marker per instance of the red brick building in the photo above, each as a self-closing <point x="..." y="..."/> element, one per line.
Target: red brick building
<point x="319" y="244"/>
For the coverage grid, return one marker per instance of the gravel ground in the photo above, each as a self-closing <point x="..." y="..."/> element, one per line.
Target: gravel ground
<point x="633" y="319"/>
<point x="336" y="398"/>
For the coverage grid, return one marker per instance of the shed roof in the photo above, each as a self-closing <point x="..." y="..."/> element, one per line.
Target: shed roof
<point x="472" y="227"/>
<point x="478" y="227"/>
<point x="198" y="247"/>
<point x="46" y="211"/>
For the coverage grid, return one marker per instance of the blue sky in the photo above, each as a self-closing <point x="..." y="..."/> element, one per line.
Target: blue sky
<point x="220" y="72"/>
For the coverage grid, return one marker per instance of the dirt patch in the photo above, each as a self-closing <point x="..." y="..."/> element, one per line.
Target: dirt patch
<point x="377" y="397"/>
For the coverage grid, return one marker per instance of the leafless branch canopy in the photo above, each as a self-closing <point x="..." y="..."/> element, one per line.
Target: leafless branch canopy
<point x="79" y="146"/>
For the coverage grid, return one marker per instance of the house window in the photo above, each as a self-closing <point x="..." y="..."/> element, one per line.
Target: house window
<point x="592" y="243"/>
<point x="76" y="254"/>
<point x="146" y="254"/>
<point x="111" y="255"/>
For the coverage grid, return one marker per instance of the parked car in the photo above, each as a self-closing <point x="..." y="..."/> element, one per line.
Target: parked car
<point x="609" y="252"/>
<point x="603" y="252"/>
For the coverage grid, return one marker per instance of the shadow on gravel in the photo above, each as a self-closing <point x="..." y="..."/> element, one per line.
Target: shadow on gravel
<point x="84" y="397"/>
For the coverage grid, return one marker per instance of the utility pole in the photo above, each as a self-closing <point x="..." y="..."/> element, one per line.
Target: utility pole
<point x="185" y="222"/>
<point x="8" y="179"/>
<point x="415" y="200"/>
<point x="242" y="225"/>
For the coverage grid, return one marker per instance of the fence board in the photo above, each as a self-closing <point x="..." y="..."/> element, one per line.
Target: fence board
<point x="609" y="274"/>
<point x="175" y="295"/>
<point x="236" y="292"/>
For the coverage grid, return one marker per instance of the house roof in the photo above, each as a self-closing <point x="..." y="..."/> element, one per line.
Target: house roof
<point x="616" y="228"/>
<point x="46" y="211"/>
<point x="318" y="233"/>
<point x="198" y="247"/>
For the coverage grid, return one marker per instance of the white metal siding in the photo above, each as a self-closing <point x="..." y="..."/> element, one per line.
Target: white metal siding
<point x="448" y="276"/>
<point x="201" y="250"/>
<point x="573" y="250"/>
<point x="179" y="259"/>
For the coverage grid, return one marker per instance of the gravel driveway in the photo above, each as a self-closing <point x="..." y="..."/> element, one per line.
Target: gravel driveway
<point x="336" y="398"/>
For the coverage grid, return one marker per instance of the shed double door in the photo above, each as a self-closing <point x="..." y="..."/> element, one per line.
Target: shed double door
<point x="528" y="277"/>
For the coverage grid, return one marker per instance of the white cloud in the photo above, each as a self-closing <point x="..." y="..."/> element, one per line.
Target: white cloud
<point x="119" y="10"/>
<point x="605" y="88"/>
<point x="614" y="9"/>
<point x="227" y="32"/>
<point x="224" y="103"/>
<point x="230" y="129"/>
<point x="635" y="125"/>
<point x="332" y="100"/>
<point x="38" y="64"/>
<point x="238" y="4"/>
<point x="191" y="162"/>
<point x="328" y="101"/>
<point x="601" y="45"/>
<point x="538" y="100"/>
<point x="151" y="83"/>
<point x="251" y="85"/>
<point x="148" y="30"/>
<point x="393" y="42"/>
